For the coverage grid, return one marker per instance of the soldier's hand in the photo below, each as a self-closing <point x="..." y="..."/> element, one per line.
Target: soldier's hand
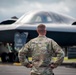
<point x="29" y="65"/>
<point x="52" y="65"/>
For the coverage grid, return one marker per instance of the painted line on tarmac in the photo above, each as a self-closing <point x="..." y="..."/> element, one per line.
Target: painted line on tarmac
<point x="17" y="64"/>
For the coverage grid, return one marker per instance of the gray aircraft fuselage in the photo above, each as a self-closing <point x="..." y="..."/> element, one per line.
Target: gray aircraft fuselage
<point x="62" y="38"/>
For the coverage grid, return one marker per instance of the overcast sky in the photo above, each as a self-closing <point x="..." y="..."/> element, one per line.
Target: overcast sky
<point x="9" y="8"/>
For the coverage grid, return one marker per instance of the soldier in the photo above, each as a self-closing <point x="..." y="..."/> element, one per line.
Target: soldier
<point x="42" y="49"/>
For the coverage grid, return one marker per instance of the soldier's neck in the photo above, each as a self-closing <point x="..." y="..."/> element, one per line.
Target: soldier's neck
<point x="41" y="35"/>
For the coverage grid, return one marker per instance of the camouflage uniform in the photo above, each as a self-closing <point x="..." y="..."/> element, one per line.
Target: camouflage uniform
<point x="42" y="49"/>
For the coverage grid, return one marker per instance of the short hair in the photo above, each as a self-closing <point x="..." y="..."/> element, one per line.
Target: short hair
<point x="41" y="27"/>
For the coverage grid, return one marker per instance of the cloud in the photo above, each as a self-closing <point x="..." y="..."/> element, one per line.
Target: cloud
<point x="71" y="5"/>
<point x="9" y="8"/>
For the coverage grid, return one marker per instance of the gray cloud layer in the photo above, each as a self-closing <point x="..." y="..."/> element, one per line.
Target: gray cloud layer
<point x="9" y="8"/>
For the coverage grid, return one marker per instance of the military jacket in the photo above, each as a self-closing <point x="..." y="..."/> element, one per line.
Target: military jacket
<point x="42" y="49"/>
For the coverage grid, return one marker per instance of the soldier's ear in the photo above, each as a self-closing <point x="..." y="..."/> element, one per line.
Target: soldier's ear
<point x="37" y="31"/>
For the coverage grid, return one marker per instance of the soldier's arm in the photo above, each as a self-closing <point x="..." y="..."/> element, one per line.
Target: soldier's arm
<point x="60" y="53"/>
<point x="22" y="54"/>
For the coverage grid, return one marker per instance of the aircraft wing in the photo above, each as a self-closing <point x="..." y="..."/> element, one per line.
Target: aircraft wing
<point x="8" y="27"/>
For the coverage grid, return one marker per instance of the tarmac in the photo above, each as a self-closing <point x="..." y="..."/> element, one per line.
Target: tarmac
<point x="67" y="62"/>
<point x="17" y="69"/>
<point x="21" y="70"/>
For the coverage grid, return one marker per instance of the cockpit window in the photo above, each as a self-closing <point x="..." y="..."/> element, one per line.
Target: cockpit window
<point x="45" y="17"/>
<point x="41" y="18"/>
<point x="35" y="19"/>
<point x="58" y="18"/>
<point x="38" y="19"/>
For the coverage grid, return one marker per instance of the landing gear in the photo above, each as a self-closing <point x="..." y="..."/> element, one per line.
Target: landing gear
<point x="53" y="74"/>
<point x="4" y="57"/>
<point x="13" y="48"/>
<point x="9" y="57"/>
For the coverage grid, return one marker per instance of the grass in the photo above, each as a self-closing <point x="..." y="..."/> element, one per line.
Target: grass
<point x="54" y="58"/>
<point x="0" y="59"/>
<point x="67" y="60"/>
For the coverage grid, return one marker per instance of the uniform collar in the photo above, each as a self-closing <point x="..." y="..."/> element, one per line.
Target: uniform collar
<point x="42" y="36"/>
